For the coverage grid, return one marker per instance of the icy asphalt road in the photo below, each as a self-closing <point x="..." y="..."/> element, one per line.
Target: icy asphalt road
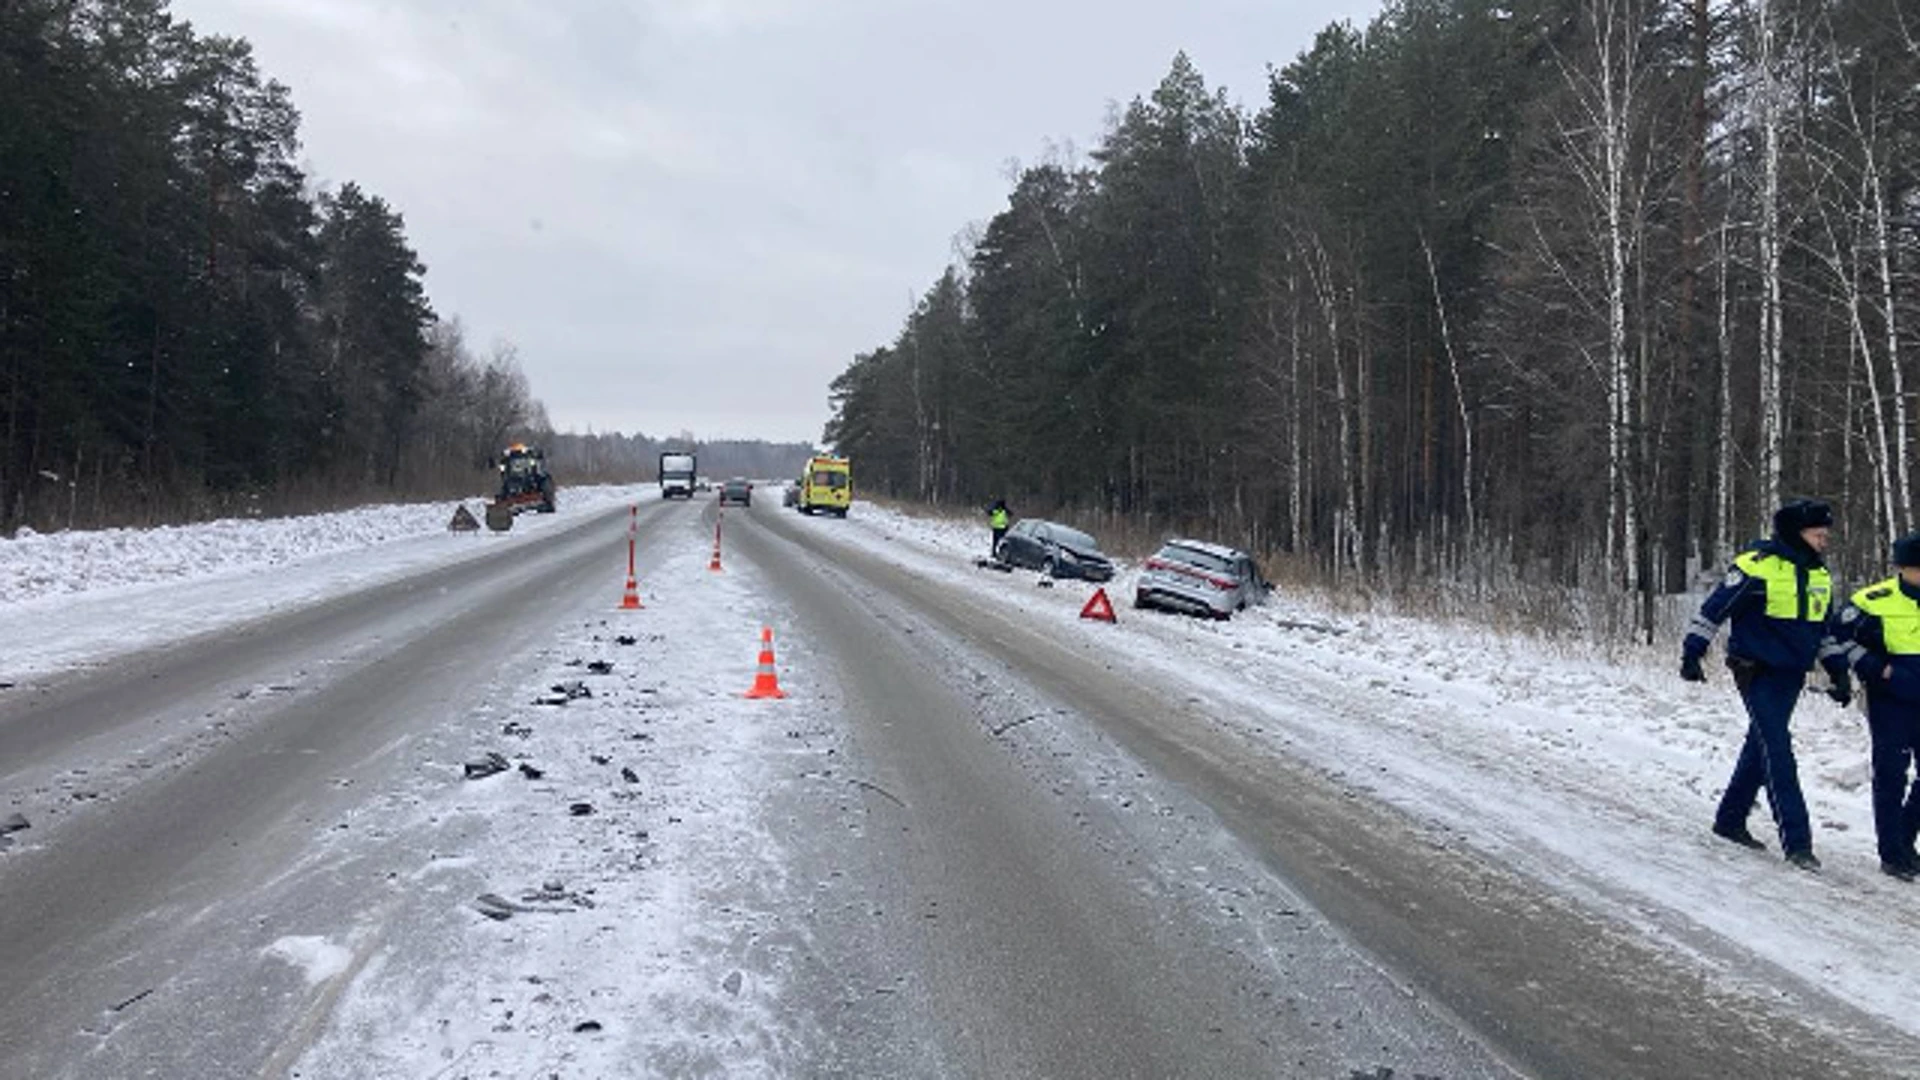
<point x="972" y="848"/>
<point x="1549" y="986"/>
<point x="177" y="795"/>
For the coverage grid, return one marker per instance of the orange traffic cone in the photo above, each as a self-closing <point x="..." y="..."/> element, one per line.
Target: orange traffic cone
<point x="766" y="684"/>
<point x="630" y="600"/>
<point x="715" y="564"/>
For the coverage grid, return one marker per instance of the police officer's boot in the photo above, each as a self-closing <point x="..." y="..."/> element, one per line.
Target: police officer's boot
<point x="1739" y="835"/>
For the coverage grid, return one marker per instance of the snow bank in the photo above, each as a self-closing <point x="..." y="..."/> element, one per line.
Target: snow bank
<point x="35" y="565"/>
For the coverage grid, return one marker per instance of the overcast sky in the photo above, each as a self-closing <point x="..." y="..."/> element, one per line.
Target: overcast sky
<point x="689" y="215"/>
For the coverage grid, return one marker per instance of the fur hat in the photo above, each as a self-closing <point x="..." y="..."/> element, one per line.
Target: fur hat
<point x="1906" y="550"/>
<point x="1800" y="514"/>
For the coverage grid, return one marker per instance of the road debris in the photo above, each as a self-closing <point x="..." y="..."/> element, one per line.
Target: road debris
<point x="564" y="692"/>
<point x="480" y="768"/>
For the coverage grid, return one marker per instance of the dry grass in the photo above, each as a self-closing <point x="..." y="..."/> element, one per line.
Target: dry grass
<point x="1482" y="596"/>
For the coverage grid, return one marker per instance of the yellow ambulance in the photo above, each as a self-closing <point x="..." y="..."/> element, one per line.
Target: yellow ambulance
<point x="826" y="486"/>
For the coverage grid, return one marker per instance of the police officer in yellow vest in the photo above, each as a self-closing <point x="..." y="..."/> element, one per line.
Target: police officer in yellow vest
<point x="1777" y="595"/>
<point x="997" y="519"/>
<point x="1881" y="626"/>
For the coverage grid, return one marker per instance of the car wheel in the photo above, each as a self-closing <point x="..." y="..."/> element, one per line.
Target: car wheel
<point x="1140" y="601"/>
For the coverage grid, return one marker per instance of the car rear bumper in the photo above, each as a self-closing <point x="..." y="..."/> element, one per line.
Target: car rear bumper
<point x="1192" y="601"/>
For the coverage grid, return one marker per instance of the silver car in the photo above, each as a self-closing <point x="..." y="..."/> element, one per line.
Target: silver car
<point x="1199" y="578"/>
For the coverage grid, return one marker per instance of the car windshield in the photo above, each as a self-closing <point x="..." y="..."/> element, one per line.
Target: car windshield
<point x="1074" y="539"/>
<point x="1194" y="557"/>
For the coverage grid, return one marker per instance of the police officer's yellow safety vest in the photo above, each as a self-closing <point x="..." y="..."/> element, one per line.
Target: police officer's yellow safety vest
<point x="1899" y="616"/>
<point x="999" y="519"/>
<point x="1781" y="578"/>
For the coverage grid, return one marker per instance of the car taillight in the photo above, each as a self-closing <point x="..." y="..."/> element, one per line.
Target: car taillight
<point x="1218" y="583"/>
<point x="1157" y="564"/>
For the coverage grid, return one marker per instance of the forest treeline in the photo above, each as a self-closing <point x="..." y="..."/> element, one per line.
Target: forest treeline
<point x="1572" y="290"/>
<point x="188" y="327"/>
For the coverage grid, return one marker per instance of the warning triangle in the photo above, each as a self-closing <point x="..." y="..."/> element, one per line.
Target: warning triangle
<point x="463" y="520"/>
<point x="1099" y="607"/>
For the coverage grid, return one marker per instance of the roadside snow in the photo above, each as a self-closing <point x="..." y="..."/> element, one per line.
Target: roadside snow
<point x="1597" y="775"/>
<point x="79" y="598"/>
<point x="316" y="957"/>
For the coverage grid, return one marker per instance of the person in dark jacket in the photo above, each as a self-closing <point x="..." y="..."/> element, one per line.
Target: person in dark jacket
<point x="1881" y="629"/>
<point x="1777" y="596"/>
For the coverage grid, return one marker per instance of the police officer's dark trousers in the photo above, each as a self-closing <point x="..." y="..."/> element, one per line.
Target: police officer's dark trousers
<point x="1895" y="726"/>
<point x="1766" y="759"/>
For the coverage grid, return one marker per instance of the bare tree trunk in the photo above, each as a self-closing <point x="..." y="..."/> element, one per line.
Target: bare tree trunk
<point x="1847" y="276"/>
<point x="1459" y="394"/>
<point x="1772" y="409"/>
<point x="922" y="455"/>
<point x="1723" y="435"/>
<point x="1295" y="500"/>
<point x="1365" y="515"/>
<point x="1346" y="530"/>
<point x="1692" y="245"/>
<point x="1615" y="38"/>
<point x="1902" y="502"/>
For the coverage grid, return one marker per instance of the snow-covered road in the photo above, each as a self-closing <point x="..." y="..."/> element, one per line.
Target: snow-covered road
<point x="1594" y="777"/>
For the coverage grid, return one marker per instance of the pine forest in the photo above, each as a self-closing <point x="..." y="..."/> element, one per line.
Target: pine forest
<point x="1560" y="292"/>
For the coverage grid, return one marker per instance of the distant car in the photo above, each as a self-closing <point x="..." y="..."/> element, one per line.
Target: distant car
<point x="1055" y="550"/>
<point x="790" y="494"/>
<point x="737" y="491"/>
<point x="1199" y="578"/>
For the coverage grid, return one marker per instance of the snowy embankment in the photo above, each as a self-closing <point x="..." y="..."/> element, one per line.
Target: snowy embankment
<point x="1597" y="775"/>
<point x="82" y="597"/>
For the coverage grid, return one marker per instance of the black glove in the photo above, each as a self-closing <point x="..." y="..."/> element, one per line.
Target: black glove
<point x="1841" y="691"/>
<point x="1690" y="669"/>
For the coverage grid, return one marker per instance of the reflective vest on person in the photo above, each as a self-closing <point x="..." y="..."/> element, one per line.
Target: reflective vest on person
<point x="1899" y="616"/>
<point x="1782" y="580"/>
<point x="998" y="518"/>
